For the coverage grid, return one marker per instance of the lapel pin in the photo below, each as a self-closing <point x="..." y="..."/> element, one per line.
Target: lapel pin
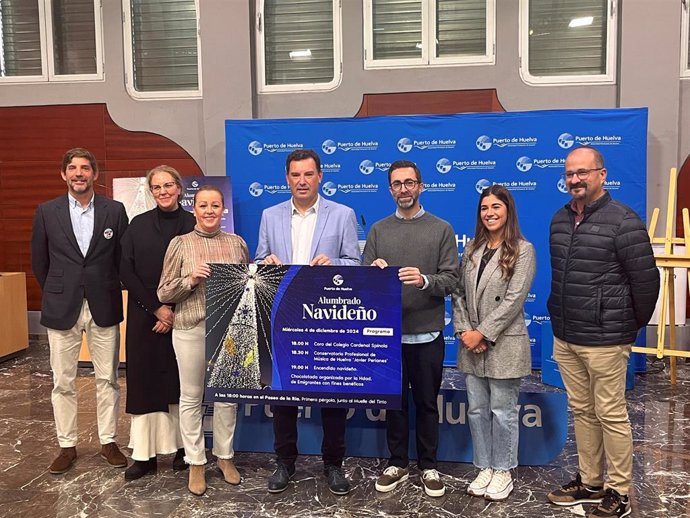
<point x="108" y="233"/>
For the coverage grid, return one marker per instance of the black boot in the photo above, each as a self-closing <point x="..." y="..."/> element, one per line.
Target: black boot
<point x="141" y="468"/>
<point x="178" y="462"/>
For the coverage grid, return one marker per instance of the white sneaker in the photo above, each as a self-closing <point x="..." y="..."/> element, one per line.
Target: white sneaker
<point x="500" y="487"/>
<point x="479" y="484"/>
<point x="433" y="485"/>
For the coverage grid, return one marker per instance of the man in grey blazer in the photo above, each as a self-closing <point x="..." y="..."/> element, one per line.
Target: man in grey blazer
<point x="308" y="229"/>
<point x="75" y="255"/>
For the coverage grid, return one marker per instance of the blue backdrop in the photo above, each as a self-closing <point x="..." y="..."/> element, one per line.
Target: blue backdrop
<point x="458" y="155"/>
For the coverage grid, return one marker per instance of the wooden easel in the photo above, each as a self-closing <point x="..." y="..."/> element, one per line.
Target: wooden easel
<point x="667" y="261"/>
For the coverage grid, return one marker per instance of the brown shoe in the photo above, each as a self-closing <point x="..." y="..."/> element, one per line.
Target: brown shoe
<point x="113" y="455"/>
<point x="64" y="461"/>
<point x="230" y="473"/>
<point x="197" y="479"/>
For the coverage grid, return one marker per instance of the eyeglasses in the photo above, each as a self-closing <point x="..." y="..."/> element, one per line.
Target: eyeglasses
<point x="581" y="173"/>
<point x="155" y="189"/>
<point x="409" y="185"/>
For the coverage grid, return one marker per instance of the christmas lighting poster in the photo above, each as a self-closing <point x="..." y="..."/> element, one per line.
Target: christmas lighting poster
<point x="304" y="335"/>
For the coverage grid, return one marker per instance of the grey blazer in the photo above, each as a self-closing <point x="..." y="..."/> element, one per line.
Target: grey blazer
<point x="494" y="307"/>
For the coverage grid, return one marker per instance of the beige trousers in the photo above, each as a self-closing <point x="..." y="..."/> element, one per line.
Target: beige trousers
<point x="594" y="378"/>
<point x="103" y="345"/>
<point x="190" y="350"/>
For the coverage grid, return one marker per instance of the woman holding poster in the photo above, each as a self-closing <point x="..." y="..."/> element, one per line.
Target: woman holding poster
<point x="185" y="269"/>
<point x="496" y="273"/>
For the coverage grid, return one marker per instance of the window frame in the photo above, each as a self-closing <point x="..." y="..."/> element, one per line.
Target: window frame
<point x="48" y="75"/>
<point x="685" y="39"/>
<point x="259" y="33"/>
<point x="429" y="43"/>
<point x="609" y="78"/>
<point x="129" y="63"/>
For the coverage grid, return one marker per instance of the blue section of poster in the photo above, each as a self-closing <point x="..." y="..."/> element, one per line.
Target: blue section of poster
<point x="459" y="155"/>
<point x="293" y="335"/>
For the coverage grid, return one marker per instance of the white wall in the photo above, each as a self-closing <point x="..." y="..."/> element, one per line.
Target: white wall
<point x="648" y="76"/>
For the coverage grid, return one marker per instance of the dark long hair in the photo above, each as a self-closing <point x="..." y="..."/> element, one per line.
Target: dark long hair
<point x="510" y="248"/>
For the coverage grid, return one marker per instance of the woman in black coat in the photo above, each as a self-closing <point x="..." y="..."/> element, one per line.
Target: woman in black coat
<point x="153" y="387"/>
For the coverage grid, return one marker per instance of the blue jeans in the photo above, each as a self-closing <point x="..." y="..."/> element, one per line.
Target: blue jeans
<point x="494" y="421"/>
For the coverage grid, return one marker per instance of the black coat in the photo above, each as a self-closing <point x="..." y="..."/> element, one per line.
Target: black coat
<point x="604" y="283"/>
<point x="65" y="275"/>
<point x="152" y="377"/>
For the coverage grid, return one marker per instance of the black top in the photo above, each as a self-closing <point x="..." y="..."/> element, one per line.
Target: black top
<point x="152" y="376"/>
<point x="486" y="257"/>
<point x="604" y="281"/>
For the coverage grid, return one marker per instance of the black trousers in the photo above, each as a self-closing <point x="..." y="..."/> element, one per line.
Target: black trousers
<point x="285" y="435"/>
<point x="422" y="369"/>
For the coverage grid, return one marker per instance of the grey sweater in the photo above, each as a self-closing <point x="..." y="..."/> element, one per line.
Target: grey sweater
<point x="429" y="244"/>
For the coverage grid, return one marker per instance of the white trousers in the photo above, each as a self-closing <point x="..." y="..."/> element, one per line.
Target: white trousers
<point x="103" y="343"/>
<point x="155" y="433"/>
<point x="190" y="350"/>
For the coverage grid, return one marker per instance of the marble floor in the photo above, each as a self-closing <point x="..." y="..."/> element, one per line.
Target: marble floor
<point x="659" y="412"/>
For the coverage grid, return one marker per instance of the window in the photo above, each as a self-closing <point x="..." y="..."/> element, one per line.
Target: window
<point x="162" y="49"/>
<point x="50" y="40"/>
<point x="568" y="41"/>
<point x="685" y="41"/>
<point x="298" y="45"/>
<point x="408" y="33"/>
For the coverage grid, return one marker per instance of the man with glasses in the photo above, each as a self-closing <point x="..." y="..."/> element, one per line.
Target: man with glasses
<point x="308" y="229"/>
<point x="75" y="256"/>
<point x="424" y="247"/>
<point x="604" y="289"/>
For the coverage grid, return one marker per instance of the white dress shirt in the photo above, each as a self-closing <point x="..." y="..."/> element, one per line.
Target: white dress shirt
<point x="303" y="226"/>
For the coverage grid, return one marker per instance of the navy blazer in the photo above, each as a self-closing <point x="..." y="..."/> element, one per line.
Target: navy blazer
<point x="65" y="275"/>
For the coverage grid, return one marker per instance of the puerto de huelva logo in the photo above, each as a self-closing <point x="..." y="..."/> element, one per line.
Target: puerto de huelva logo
<point x="330" y="167"/>
<point x="405" y="144"/>
<point x="330" y="188"/>
<point x="482" y="184"/>
<point x="561" y="185"/>
<point x="568" y="140"/>
<point x="439" y="186"/>
<point x="256" y="189"/>
<point x="330" y="146"/>
<point x="366" y="167"/>
<point x="255" y="147"/>
<point x="485" y="142"/>
<point x="512" y="185"/>
<point x="525" y="163"/>
<point x="338" y="279"/>
<point x="444" y="165"/>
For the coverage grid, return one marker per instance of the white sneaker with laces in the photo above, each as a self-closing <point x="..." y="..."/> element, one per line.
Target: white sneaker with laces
<point x="479" y="484"/>
<point x="500" y="487"/>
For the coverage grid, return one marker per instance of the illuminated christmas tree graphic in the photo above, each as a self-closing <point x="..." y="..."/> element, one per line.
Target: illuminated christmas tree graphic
<point x="235" y="362"/>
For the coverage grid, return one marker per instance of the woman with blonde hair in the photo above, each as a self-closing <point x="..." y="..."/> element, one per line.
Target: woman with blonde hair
<point x="153" y="386"/>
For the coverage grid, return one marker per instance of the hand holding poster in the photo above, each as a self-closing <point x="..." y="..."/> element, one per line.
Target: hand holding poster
<point x="312" y="335"/>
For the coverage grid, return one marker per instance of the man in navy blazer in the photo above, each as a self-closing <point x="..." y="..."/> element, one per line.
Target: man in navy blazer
<point x="75" y="253"/>
<point x="308" y="229"/>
